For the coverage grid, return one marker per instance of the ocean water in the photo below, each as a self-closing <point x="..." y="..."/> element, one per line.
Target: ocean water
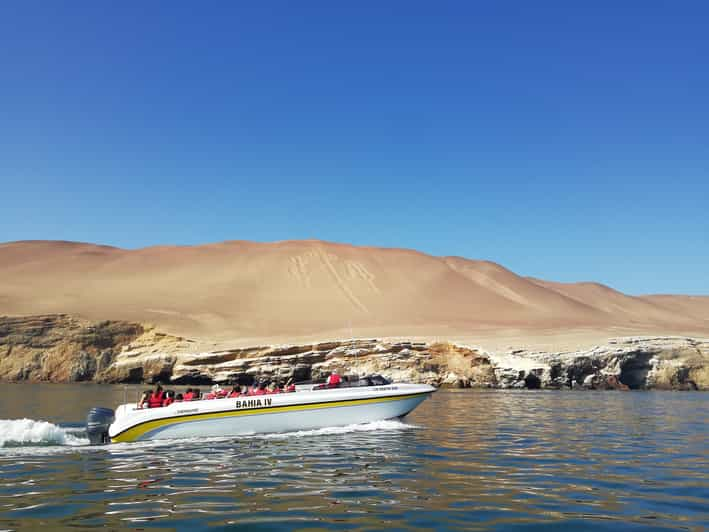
<point x="464" y="460"/>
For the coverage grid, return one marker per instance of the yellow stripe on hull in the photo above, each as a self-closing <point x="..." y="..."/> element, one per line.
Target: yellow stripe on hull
<point x="134" y="433"/>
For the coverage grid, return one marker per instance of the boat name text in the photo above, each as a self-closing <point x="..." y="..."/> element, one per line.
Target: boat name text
<point x="251" y="403"/>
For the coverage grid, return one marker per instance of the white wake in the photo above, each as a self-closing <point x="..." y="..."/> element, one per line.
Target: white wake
<point x="386" y="425"/>
<point x="18" y="433"/>
<point x="30" y="432"/>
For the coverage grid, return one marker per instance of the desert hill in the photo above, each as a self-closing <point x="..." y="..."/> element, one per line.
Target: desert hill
<point x="241" y="289"/>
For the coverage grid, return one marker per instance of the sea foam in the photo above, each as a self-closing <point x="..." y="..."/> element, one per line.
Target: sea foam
<point x="30" y="432"/>
<point x="385" y="425"/>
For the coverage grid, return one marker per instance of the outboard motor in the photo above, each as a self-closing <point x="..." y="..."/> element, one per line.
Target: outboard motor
<point x="97" y="423"/>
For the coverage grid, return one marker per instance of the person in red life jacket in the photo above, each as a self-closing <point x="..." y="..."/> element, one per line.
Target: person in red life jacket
<point x="156" y="398"/>
<point x="290" y="386"/>
<point x="169" y="398"/>
<point x="235" y="392"/>
<point x="189" y="395"/>
<point x="179" y="398"/>
<point x="260" y="389"/>
<point x="143" y="402"/>
<point x="334" y="380"/>
<point x="214" y="394"/>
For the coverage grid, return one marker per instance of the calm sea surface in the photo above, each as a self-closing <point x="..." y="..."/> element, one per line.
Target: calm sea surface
<point x="463" y="460"/>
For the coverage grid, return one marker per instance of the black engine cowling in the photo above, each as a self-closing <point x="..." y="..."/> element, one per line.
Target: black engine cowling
<point x="97" y="422"/>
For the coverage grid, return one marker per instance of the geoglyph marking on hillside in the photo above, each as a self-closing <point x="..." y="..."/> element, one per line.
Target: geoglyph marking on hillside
<point x="297" y="269"/>
<point x="341" y="283"/>
<point x="357" y="270"/>
<point x="343" y="272"/>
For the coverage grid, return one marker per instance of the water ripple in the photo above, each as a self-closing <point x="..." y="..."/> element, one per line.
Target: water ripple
<point x="465" y="460"/>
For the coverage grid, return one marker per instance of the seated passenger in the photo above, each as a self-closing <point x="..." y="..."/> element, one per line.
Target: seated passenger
<point x="234" y="392"/>
<point x="214" y="394"/>
<point x="189" y="395"/>
<point x="261" y="389"/>
<point x="179" y="398"/>
<point x="143" y="401"/>
<point x="273" y="388"/>
<point x="156" y="398"/>
<point x="169" y="398"/>
<point x="290" y="386"/>
<point x="334" y="380"/>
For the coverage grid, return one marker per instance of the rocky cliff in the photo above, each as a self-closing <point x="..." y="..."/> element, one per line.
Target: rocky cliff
<point x="61" y="348"/>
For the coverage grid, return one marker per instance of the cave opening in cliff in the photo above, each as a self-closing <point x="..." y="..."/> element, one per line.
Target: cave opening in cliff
<point x="532" y="381"/>
<point x="634" y="371"/>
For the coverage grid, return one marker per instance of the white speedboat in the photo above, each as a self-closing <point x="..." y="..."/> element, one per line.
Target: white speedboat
<point x="306" y="409"/>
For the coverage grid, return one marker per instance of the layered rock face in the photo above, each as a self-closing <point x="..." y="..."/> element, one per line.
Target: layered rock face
<point x="61" y="348"/>
<point x="401" y="361"/>
<point x="672" y="363"/>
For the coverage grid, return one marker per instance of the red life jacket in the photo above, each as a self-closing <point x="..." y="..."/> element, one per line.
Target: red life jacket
<point x="155" y="400"/>
<point x="334" y="380"/>
<point x="260" y="392"/>
<point x="234" y="394"/>
<point x="188" y="396"/>
<point x="291" y="388"/>
<point x="168" y="401"/>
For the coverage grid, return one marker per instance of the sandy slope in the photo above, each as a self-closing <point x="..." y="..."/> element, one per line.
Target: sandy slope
<point x="296" y="289"/>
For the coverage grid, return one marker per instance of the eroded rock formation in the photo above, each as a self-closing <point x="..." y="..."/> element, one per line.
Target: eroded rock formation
<point x="674" y="363"/>
<point x="61" y="348"/>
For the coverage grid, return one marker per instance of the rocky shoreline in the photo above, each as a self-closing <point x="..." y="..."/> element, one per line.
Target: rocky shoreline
<point x="63" y="348"/>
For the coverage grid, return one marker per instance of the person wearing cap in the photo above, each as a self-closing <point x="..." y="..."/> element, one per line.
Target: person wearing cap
<point x="334" y="380"/>
<point x="214" y="394"/>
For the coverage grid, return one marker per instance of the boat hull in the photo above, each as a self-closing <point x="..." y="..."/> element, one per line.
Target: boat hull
<point x="269" y="414"/>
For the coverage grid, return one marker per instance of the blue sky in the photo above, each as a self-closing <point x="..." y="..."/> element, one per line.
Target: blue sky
<point x="565" y="140"/>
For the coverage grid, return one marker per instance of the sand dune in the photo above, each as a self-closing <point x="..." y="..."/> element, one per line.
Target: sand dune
<point x="241" y="289"/>
<point x="626" y="309"/>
